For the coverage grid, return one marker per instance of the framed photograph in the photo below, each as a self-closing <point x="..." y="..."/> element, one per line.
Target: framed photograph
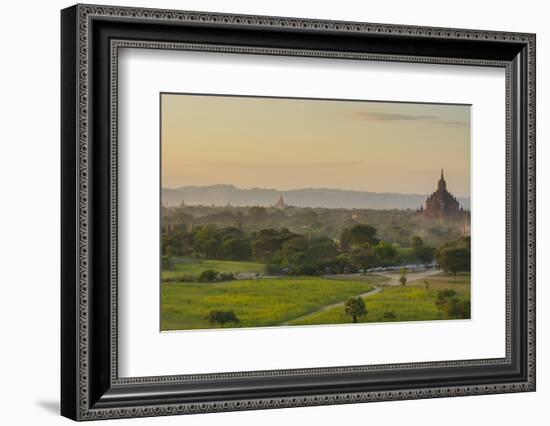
<point x="263" y="212"/>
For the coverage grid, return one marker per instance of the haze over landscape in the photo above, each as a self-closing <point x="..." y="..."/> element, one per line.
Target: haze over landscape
<point x="221" y="195"/>
<point x="291" y="144"/>
<point x="295" y="212"/>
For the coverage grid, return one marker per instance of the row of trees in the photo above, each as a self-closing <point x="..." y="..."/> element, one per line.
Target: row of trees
<point x="291" y="253"/>
<point x="393" y="226"/>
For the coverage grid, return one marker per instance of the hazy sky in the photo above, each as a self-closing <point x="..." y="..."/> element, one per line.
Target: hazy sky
<point x="296" y="143"/>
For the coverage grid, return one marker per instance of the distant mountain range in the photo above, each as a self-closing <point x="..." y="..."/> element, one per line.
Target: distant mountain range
<point x="221" y="195"/>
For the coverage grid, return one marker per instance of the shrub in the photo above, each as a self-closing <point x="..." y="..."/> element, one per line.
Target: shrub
<point x="443" y="296"/>
<point x="451" y="305"/>
<point x="226" y="276"/>
<point x="208" y="276"/>
<point x="306" y="269"/>
<point x="389" y="316"/>
<point x="456" y="308"/>
<point x="222" y="317"/>
<point x="180" y="278"/>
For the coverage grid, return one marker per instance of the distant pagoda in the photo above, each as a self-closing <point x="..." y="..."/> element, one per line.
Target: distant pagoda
<point x="441" y="204"/>
<point x="280" y="203"/>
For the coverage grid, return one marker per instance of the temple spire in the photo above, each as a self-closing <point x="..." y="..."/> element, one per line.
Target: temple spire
<point x="442" y="184"/>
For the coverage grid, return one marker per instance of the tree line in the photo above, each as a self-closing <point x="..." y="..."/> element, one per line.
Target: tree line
<point x="286" y="252"/>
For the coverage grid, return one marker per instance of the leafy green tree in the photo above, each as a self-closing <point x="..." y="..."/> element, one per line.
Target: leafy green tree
<point x="455" y="256"/>
<point x="422" y="252"/>
<point x="265" y="244"/>
<point x="385" y="252"/>
<point x="454" y="260"/>
<point x="358" y="235"/>
<point x="363" y="257"/>
<point x="338" y="264"/>
<point x="235" y="249"/>
<point x="296" y="244"/>
<point x="207" y="241"/>
<point x="321" y="249"/>
<point x="355" y="308"/>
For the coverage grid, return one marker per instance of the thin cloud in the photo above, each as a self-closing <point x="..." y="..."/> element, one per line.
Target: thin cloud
<point x="388" y="116"/>
<point x="258" y="165"/>
<point x="450" y="123"/>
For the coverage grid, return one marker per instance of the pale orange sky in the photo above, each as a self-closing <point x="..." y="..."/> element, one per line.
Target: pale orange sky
<point x="296" y="143"/>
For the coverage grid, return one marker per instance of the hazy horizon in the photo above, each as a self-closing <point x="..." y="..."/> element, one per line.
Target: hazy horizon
<point x="229" y="195"/>
<point x="284" y="144"/>
<point x="302" y="188"/>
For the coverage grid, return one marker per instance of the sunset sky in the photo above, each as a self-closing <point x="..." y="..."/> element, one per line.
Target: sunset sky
<point x="295" y="143"/>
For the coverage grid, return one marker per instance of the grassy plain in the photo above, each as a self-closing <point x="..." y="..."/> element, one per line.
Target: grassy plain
<point x="189" y="266"/>
<point x="412" y="302"/>
<point x="256" y="302"/>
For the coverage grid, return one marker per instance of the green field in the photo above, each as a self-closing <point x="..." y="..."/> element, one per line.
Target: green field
<point x="256" y="302"/>
<point x="189" y="266"/>
<point x="409" y="303"/>
<point x="272" y="301"/>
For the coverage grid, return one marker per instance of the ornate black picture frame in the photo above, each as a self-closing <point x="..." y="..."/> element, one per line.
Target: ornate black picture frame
<point x="91" y="37"/>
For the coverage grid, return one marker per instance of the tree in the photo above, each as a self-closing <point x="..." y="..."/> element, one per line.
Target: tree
<point x="321" y="249"/>
<point x="208" y="276"/>
<point x="454" y="256"/>
<point x="207" y="241"/>
<point x="266" y="243"/>
<point x="362" y="234"/>
<point x="355" y="308"/>
<point x="222" y="317"/>
<point x="416" y="241"/>
<point x="167" y="263"/>
<point x="385" y="252"/>
<point x="296" y="244"/>
<point x="363" y="257"/>
<point x="235" y="248"/>
<point x="403" y="277"/>
<point x="454" y="260"/>
<point x="257" y="213"/>
<point x="423" y="253"/>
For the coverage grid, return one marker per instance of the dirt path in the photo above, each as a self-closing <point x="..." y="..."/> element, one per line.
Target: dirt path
<point x="393" y="281"/>
<point x="334" y="305"/>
